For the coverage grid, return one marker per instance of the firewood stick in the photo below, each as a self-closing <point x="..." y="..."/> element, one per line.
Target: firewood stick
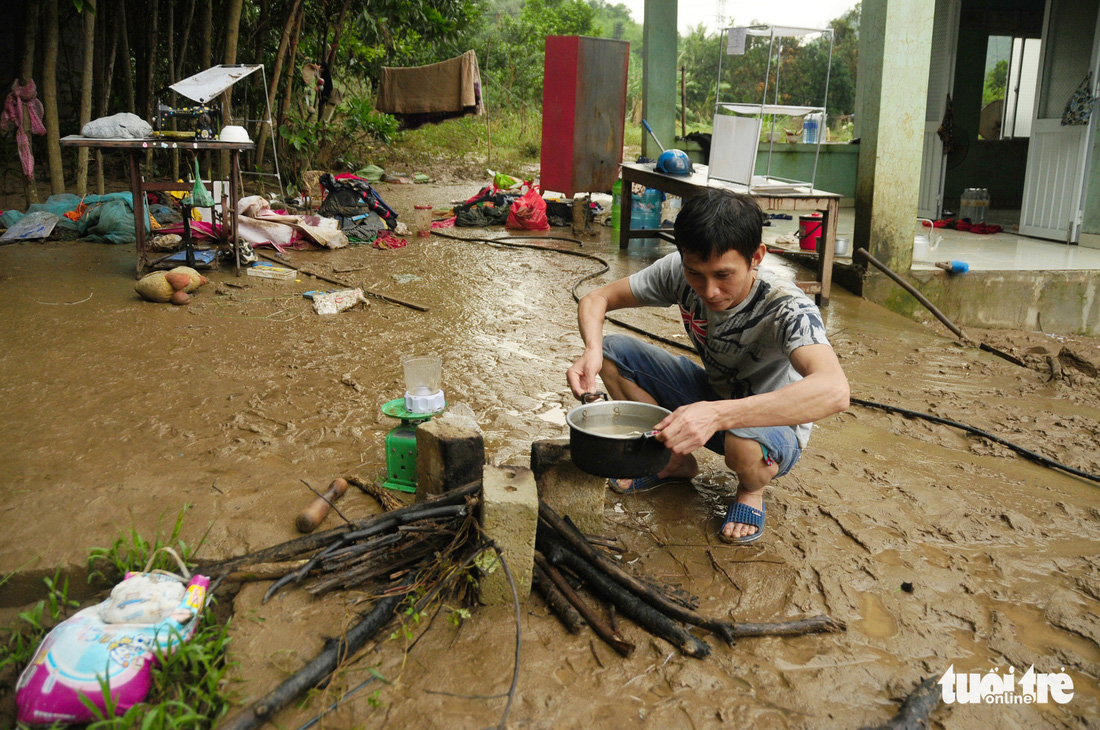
<point x="309" y="543"/>
<point x="322" y="666"/>
<point x="557" y="602"/>
<point x="727" y="630"/>
<point x="916" y="711"/>
<point x="263" y="571"/>
<point x="618" y="643"/>
<point x="558" y="553"/>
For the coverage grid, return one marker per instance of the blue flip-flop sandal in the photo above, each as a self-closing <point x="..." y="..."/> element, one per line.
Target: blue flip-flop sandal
<point x="745" y="515"/>
<point x="644" y="484"/>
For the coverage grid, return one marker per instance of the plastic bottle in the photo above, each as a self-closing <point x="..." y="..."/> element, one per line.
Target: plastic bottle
<point x="981" y="205"/>
<point x="966" y="205"/>
<point x="616" y="203"/>
<point x="811" y="128"/>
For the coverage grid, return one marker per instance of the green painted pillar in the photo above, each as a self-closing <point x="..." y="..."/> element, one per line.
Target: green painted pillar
<point x="659" y="74"/>
<point x="1090" y="222"/>
<point x="894" y="52"/>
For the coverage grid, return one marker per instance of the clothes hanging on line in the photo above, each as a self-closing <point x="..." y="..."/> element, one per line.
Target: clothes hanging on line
<point x="431" y="94"/>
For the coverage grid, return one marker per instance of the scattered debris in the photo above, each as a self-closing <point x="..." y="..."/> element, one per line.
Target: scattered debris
<point x="338" y="301"/>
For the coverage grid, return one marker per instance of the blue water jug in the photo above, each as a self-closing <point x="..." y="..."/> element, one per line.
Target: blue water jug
<point x="646" y="209"/>
<point x="809" y="131"/>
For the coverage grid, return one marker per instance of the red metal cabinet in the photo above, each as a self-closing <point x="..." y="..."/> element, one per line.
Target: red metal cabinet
<point x="583" y="111"/>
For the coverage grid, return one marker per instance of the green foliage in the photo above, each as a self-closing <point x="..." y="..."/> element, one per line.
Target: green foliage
<point x="23" y="639"/>
<point x="510" y="47"/>
<point x="131" y="551"/>
<point x="996" y="79"/>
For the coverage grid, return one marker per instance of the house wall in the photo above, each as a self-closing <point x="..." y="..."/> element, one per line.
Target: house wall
<point x="1090" y="222"/>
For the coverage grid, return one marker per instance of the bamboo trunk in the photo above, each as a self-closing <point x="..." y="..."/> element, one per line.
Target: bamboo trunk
<point x="30" y="186"/>
<point x="276" y="77"/>
<point x="49" y="96"/>
<point x="150" y="72"/>
<point x="185" y="39"/>
<point x="86" y="94"/>
<point x="205" y="51"/>
<point x="126" y="52"/>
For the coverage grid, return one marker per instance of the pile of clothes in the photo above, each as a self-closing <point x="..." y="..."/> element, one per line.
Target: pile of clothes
<point x="964" y="224"/>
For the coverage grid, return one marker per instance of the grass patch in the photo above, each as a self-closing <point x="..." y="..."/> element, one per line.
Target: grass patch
<point x="131" y="551"/>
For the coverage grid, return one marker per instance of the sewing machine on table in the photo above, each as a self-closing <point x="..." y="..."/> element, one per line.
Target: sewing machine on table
<point x="207" y="121"/>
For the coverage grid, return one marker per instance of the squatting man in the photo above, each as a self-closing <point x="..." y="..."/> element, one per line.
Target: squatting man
<point x="768" y="369"/>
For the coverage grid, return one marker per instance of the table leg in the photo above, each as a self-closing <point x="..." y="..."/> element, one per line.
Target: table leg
<point x="234" y="186"/>
<point x="139" y="210"/>
<point x="625" y="209"/>
<point x="825" y="261"/>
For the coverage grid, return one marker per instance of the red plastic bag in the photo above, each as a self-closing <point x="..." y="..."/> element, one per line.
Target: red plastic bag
<point x="528" y="212"/>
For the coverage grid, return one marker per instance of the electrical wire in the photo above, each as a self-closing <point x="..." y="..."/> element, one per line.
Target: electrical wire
<point x="503" y="241"/>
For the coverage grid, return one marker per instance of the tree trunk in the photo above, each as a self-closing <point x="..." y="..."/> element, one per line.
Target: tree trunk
<point x="126" y="53"/>
<point x="205" y="53"/>
<point x="106" y="79"/>
<point x="173" y="98"/>
<point x="185" y="39"/>
<point x="288" y="92"/>
<point x="30" y="187"/>
<point x="276" y="75"/>
<point x="86" y="94"/>
<point x="150" y="71"/>
<point x="232" y="30"/>
<point x="49" y="96"/>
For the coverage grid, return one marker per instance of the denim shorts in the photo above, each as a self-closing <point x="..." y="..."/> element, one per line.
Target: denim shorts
<point x="677" y="381"/>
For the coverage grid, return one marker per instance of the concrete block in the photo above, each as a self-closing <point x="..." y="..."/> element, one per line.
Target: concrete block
<point x="450" y="452"/>
<point x="510" y="517"/>
<point x="567" y="489"/>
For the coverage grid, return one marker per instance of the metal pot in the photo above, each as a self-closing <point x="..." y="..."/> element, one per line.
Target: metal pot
<point x="616" y="439"/>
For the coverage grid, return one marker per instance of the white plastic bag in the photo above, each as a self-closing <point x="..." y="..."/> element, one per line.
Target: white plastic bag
<point x="338" y="301"/>
<point x="119" y="126"/>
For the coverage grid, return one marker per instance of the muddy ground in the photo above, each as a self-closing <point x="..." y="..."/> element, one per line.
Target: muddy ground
<point x="117" y="413"/>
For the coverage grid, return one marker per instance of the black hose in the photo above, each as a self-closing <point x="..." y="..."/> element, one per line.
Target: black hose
<point x="1038" y="458"/>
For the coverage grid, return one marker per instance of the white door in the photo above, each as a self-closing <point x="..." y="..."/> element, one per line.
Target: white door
<point x="941" y="76"/>
<point x="1056" y="156"/>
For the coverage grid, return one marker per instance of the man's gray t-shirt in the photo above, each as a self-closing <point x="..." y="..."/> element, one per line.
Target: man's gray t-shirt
<point x="745" y="350"/>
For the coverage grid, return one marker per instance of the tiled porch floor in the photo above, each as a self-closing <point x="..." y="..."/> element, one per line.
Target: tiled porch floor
<point x="1004" y="251"/>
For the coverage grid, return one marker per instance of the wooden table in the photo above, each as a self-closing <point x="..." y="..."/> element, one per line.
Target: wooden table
<point x="138" y="186"/>
<point x="688" y="186"/>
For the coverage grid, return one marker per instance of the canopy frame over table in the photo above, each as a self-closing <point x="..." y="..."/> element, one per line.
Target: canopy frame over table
<point x="689" y="186"/>
<point x="138" y="186"/>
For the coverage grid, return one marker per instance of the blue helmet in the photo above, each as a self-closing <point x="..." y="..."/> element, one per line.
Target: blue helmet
<point x="674" y="162"/>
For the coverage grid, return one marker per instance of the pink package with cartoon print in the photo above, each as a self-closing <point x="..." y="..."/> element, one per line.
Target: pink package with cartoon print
<point x="83" y="650"/>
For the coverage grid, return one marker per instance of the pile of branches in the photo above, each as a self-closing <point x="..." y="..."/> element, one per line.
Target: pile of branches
<point x="414" y="555"/>
<point x="567" y="559"/>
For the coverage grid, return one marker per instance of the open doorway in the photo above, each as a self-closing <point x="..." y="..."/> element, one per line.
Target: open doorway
<point x="998" y="53"/>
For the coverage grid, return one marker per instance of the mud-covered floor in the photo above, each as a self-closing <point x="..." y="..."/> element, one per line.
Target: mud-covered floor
<point x="118" y="413"/>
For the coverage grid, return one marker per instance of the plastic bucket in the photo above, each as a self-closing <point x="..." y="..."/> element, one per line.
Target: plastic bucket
<point x="809" y="231"/>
